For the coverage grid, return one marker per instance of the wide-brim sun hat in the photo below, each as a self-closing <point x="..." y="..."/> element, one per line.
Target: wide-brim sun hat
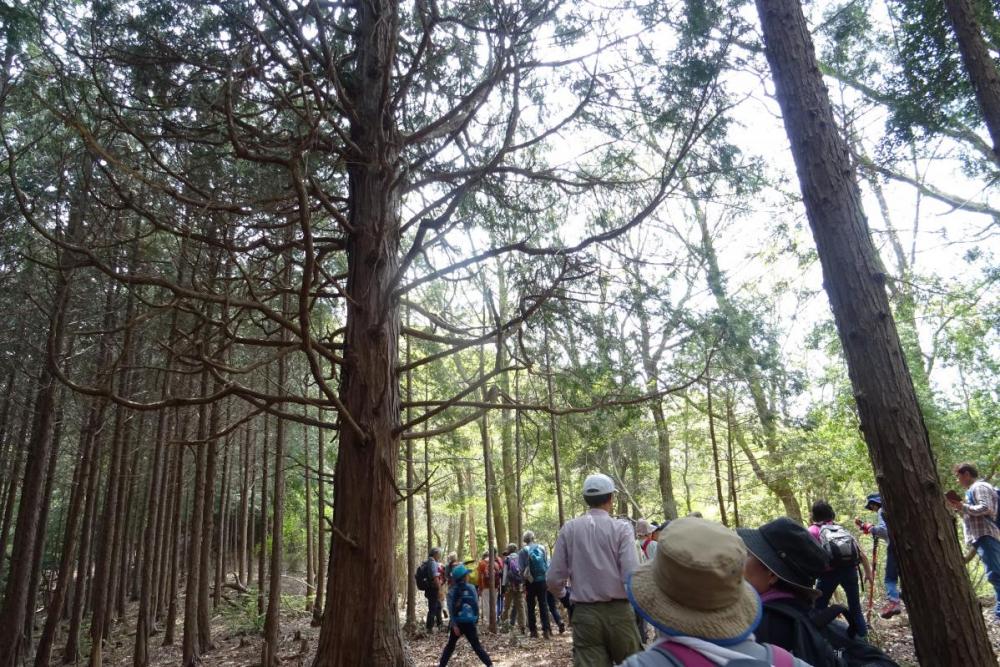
<point x="788" y="550"/>
<point x="694" y="585"/>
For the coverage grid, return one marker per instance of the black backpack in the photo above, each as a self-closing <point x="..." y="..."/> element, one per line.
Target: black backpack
<point x="822" y="641"/>
<point x="840" y="545"/>
<point x="423" y="576"/>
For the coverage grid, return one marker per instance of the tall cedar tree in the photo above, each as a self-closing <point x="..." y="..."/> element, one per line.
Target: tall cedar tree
<point x="887" y="403"/>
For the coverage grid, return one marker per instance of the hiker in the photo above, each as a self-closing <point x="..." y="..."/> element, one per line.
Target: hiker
<point x="643" y="530"/>
<point x="643" y="536"/>
<point x="463" y="605"/>
<point x="652" y="543"/>
<point x="782" y="565"/>
<point x="845" y="554"/>
<point x="534" y="564"/>
<point x="598" y="554"/>
<point x="979" y="521"/>
<point x="880" y="529"/>
<point x="694" y="593"/>
<point x="513" y="585"/>
<point x="429" y="580"/>
<point x="483" y="570"/>
<point x="550" y="600"/>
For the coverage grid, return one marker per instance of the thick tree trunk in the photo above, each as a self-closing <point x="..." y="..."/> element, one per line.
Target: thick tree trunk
<point x="360" y="624"/>
<point x="887" y="404"/>
<point x="979" y="64"/>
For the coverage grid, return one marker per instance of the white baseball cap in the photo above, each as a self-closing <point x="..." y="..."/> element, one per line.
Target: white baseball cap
<point x="598" y="484"/>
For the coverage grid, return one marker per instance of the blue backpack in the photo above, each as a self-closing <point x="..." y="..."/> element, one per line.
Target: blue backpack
<point x="537" y="564"/>
<point x="464" y="604"/>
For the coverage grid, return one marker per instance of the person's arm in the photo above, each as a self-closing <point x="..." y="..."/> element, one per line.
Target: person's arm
<point x="628" y="560"/>
<point x="522" y="558"/>
<point x="982" y="502"/>
<point x="558" y="574"/>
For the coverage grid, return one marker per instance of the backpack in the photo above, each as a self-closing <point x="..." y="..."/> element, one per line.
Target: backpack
<point x="514" y="577"/>
<point x="537" y="564"/>
<point x="679" y="655"/>
<point x="823" y="642"/>
<point x="839" y="545"/>
<point x="423" y="576"/>
<point x="464" y="604"/>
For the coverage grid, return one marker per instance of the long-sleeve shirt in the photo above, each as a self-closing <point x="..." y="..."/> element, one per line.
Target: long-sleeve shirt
<point x="881" y="528"/>
<point x="596" y="552"/>
<point x="979" y="513"/>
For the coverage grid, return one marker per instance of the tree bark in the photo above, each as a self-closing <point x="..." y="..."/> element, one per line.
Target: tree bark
<point x="715" y="452"/>
<point x="887" y="404"/>
<point x="979" y="64"/>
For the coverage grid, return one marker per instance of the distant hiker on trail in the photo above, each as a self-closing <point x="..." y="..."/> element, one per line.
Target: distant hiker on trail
<point x="534" y="564"/>
<point x="643" y="530"/>
<point x="597" y="553"/>
<point x="980" y="522"/>
<point x="513" y="585"/>
<point x="429" y="580"/>
<point x="483" y="577"/>
<point x="880" y="530"/>
<point x="652" y="543"/>
<point x="694" y="593"/>
<point x="845" y="555"/>
<point x="463" y="605"/>
<point x="782" y="564"/>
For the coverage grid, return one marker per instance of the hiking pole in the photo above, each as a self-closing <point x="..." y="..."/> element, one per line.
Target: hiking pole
<point x="871" y="588"/>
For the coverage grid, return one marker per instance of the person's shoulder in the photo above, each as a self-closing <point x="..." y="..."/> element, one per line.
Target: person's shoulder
<point x="647" y="658"/>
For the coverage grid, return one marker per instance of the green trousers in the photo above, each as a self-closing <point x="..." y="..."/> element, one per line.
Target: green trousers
<point x="604" y="633"/>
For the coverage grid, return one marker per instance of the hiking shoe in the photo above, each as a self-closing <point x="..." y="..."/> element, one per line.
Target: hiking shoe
<point x="562" y="628"/>
<point x="533" y="634"/>
<point x="891" y="608"/>
<point x="546" y="634"/>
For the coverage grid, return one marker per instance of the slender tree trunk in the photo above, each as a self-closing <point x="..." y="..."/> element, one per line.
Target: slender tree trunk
<point x="715" y="452"/>
<point x="20" y="454"/>
<point x="242" y="542"/>
<point x="144" y="619"/>
<point x="460" y="483"/>
<point x="262" y="553"/>
<point x="411" y="533"/>
<point x="321" y="563"/>
<point x="310" y="581"/>
<point x="553" y="433"/>
<point x="730" y="457"/>
<point x="887" y="405"/>
<point x="174" y="541"/>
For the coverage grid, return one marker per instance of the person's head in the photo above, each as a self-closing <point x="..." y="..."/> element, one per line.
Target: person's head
<point x="452" y="558"/>
<point x="873" y="503"/>
<point x="435" y="553"/>
<point x="655" y="533"/>
<point x="966" y="474"/>
<point x="511" y="548"/>
<point x="528" y="537"/>
<point x="822" y="511"/>
<point x="486" y="554"/>
<point x="782" y="555"/>
<point x="643" y="528"/>
<point x="459" y="573"/>
<point x="694" y="584"/>
<point x="599" y="491"/>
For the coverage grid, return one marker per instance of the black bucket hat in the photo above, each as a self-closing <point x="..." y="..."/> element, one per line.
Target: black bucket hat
<point x="788" y="550"/>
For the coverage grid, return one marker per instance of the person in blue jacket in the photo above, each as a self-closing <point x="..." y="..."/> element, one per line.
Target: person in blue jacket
<point x="873" y="503"/>
<point x="463" y="607"/>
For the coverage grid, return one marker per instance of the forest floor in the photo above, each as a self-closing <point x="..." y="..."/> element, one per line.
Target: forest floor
<point x="236" y="631"/>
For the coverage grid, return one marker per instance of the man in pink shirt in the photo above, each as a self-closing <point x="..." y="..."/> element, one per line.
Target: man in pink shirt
<point x="597" y="553"/>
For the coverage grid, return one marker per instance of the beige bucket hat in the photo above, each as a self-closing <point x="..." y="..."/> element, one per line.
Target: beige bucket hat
<point x="694" y="585"/>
